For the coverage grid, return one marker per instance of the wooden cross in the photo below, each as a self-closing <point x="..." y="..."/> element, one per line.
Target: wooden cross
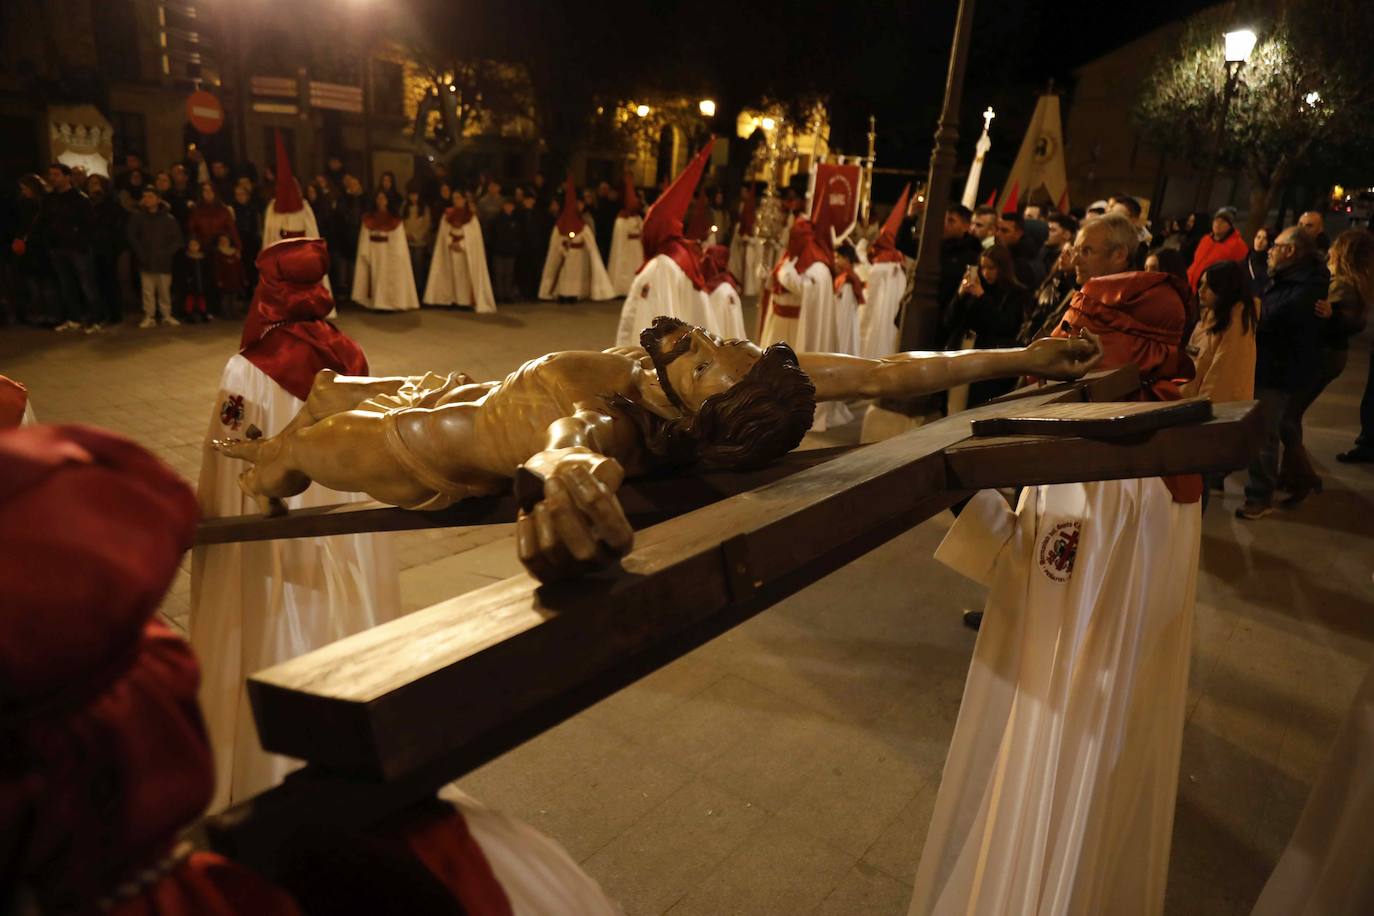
<point x="383" y="726"/>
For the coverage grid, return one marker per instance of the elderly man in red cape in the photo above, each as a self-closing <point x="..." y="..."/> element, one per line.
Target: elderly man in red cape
<point x="256" y="604"/>
<point x="670" y="281"/>
<point x="1058" y="790"/>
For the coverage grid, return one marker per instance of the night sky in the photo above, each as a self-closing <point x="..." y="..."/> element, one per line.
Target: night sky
<point x="882" y="57"/>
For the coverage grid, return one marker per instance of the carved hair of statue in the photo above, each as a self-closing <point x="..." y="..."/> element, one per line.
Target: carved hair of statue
<point x="757" y="420"/>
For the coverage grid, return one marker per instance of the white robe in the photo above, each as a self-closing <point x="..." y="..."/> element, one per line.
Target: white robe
<point x="878" y="314"/>
<point x="815" y="330"/>
<point x="537" y="874"/>
<point x="574" y="268"/>
<point x="847" y="320"/>
<point x="627" y="253"/>
<point x="382" y="276"/>
<point x="458" y="271"/>
<point x="1327" y="869"/>
<point x="258" y="603"/>
<point x="725" y="315"/>
<point x="746" y="262"/>
<point x="661" y="288"/>
<point x="1058" y="792"/>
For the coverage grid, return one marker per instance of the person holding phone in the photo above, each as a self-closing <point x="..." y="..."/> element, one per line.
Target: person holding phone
<point x="986" y="314"/>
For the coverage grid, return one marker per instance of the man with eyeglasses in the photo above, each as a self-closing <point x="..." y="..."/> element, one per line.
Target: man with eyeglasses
<point x="1287" y="344"/>
<point x="1103" y="247"/>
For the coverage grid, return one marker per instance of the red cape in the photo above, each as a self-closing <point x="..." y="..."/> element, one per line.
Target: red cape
<point x="1140" y="317"/>
<point x="381" y="221"/>
<point x="458" y="217"/>
<point x="286" y="334"/>
<point x="715" y="268"/>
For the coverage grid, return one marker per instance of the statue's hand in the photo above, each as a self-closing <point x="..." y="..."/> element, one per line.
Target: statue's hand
<point x="578" y="526"/>
<point x="1064" y="359"/>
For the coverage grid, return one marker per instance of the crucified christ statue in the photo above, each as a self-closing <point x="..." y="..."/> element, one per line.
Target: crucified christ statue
<point x="583" y="420"/>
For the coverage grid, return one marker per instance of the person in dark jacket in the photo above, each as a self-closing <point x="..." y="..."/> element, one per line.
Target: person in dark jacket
<point x="986" y="314"/>
<point x="1011" y="232"/>
<point x="33" y="268"/>
<point x="248" y="218"/>
<point x="1343" y="314"/>
<point x="66" y="226"/>
<point x="154" y="237"/>
<point x="107" y="243"/>
<point x="1287" y="352"/>
<point x="1257" y="262"/>
<point x="342" y="236"/>
<point x="535" y="228"/>
<point x="958" y="250"/>
<point x="505" y="248"/>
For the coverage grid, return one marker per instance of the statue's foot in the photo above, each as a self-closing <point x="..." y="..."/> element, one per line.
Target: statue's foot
<point x="245" y="449"/>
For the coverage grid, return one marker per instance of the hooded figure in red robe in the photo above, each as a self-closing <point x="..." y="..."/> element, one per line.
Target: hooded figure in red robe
<point x="670" y="281"/>
<point x="573" y="268"/>
<point x="886" y="286"/>
<point x="287" y="215"/>
<point x="107" y="754"/>
<point x="257" y="604"/>
<point x="627" y="243"/>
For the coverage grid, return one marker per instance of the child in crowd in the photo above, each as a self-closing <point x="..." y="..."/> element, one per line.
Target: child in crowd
<point x="192" y="281"/>
<point x="230" y="278"/>
<point x="154" y="237"/>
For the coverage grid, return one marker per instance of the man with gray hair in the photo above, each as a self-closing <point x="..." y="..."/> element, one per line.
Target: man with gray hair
<point x="1104" y="246"/>
<point x="1287" y="347"/>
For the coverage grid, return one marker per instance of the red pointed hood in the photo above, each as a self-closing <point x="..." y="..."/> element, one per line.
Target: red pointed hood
<point x="286" y="334"/>
<point x="803" y="245"/>
<point x="288" y="199"/>
<point x="631" y="205"/>
<point x="570" y="222"/>
<point x="822" y="233"/>
<point x="1010" y="206"/>
<point x="749" y="211"/>
<point x="885" y="247"/>
<point x="663" y="222"/>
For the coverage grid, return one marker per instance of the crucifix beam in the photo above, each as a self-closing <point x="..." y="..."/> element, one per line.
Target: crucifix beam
<point x="388" y="716"/>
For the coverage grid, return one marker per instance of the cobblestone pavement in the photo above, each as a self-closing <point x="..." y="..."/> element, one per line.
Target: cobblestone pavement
<point x="790" y="765"/>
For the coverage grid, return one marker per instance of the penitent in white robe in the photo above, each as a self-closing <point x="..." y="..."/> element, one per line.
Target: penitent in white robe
<point x="258" y="603"/>
<point x="725" y="314"/>
<point x="382" y="276"/>
<point x="458" y="271"/>
<point x="1326" y="869"/>
<point x="661" y="288"/>
<point x="574" y="268"/>
<point x="747" y="263"/>
<point x="627" y="253"/>
<point x="878" y="314"/>
<point x="847" y="320"/>
<point x="814" y="330"/>
<point x="1058" y="792"/>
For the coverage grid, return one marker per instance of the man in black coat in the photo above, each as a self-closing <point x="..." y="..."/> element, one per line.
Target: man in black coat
<point x="958" y="251"/>
<point x="1287" y="348"/>
<point x="66" y="225"/>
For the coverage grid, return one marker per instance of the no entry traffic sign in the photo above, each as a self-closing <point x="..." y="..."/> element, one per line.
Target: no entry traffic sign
<point x="205" y="112"/>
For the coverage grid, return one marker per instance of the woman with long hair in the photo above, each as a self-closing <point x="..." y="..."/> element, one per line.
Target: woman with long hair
<point x="1344" y="313"/>
<point x="987" y="314"/>
<point x="1223" y="343"/>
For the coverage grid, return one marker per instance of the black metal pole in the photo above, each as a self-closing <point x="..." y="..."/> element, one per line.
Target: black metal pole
<point x="920" y="317"/>
<point x="1204" y="194"/>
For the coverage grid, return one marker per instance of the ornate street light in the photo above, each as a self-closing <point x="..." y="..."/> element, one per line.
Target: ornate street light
<point x="1237" y="45"/>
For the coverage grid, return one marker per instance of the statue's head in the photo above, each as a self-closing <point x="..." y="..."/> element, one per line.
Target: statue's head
<point x="742" y="406"/>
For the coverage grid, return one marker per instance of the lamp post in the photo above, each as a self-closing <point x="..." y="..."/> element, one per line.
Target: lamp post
<point x="1238" y="45"/>
<point x="920" y="313"/>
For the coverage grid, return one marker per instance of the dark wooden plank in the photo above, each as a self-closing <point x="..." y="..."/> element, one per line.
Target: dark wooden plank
<point x="368" y="703"/>
<point x="1224" y="443"/>
<point x="1106" y="420"/>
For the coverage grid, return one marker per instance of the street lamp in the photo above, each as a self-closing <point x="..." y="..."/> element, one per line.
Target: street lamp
<point x="768" y="124"/>
<point x="1237" y="45"/>
<point x="642" y="111"/>
<point x="707" y="107"/>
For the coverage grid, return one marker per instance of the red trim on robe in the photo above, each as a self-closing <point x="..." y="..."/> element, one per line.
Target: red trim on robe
<point x="384" y="221"/>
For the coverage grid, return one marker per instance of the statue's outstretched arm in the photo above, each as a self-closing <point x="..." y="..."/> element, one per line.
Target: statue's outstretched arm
<point x="841" y="377"/>
<point x="577" y="525"/>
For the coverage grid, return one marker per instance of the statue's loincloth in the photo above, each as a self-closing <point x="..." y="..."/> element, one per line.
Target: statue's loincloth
<point x="423" y="391"/>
